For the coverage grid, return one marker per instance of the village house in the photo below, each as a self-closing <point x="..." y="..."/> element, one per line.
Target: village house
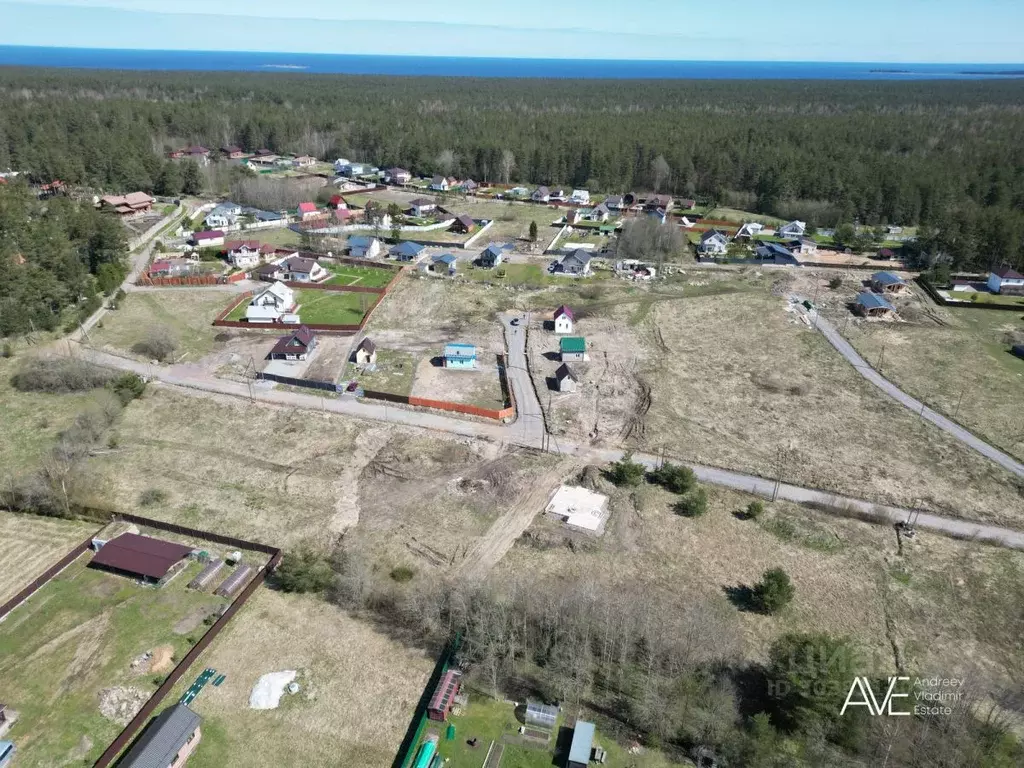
<point x="273" y="304"/>
<point x="492" y="256"/>
<point x="209" y="238"/>
<point x="420" y="207"/>
<point x="773" y="253"/>
<point x="223" y="215"/>
<point x="351" y="170"/>
<point x="541" y="195"/>
<point x="407" y="251"/>
<point x="614" y="202"/>
<point x="888" y="282"/>
<point x="1006" y="281"/>
<point x="749" y="230"/>
<point x="171" y="268"/>
<point x="658" y="203"/>
<point x="337" y="201"/>
<point x="364" y="247"/>
<point x="564" y="319"/>
<point x="600" y="212"/>
<point x="792" y="229"/>
<point x="168" y="741"/>
<point x="872" y="305"/>
<point x="345" y="215"/>
<point x="572" y="217"/>
<point x="468" y="185"/>
<point x="580" y="197"/>
<point x="802" y="246"/>
<point x="459" y="356"/>
<point x="340" y="164"/>
<point x="660" y="215"/>
<point x="246" y="253"/>
<point x="572" y="349"/>
<point x="886" y="254"/>
<point x="566" y="378"/>
<point x="300" y="269"/>
<point x="366" y="352"/>
<point x="232" y="152"/>
<point x="128" y="206"/>
<point x="713" y="243"/>
<point x="303" y="161"/>
<point x="446" y="263"/>
<point x="397" y="176"/>
<point x="296" y="346"/>
<point x="464" y="223"/>
<point x="439" y="184"/>
<point x="576" y="263"/>
<point x="307" y="211"/>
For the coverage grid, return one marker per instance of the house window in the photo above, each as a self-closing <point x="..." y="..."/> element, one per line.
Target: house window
<point x="190" y="737"/>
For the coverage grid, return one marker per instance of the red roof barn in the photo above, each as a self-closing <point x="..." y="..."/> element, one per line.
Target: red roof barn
<point x="143" y="556"/>
<point x="444" y="695"/>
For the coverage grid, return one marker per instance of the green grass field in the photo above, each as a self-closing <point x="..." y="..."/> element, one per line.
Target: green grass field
<point x="78" y="636"/>
<point x="394" y="373"/>
<point x="522" y="274"/>
<point x="367" y="277"/>
<point x="331" y="307"/>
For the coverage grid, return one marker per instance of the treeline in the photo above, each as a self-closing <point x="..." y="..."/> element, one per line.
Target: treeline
<point x="671" y="671"/>
<point x="57" y="257"/>
<point x="827" y="152"/>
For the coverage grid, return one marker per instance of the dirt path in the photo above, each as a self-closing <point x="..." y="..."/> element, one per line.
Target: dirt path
<point x="346" y="507"/>
<point x="492" y="546"/>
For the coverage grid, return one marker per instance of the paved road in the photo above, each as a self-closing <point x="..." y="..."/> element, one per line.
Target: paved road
<point x="529" y="424"/>
<point x="946" y="425"/>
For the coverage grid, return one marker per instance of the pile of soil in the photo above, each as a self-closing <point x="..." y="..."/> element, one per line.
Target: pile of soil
<point x="122" y="703"/>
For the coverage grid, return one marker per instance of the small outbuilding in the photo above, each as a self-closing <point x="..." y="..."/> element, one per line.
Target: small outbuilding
<point x="541" y="715"/>
<point x="202" y="581"/>
<point x="460" y="356"/>
<point x="407" y="251"/>
<point x="238" y="579"/>
<point x="889" y="282"/>
<point x="572" y="349"/>
<point x="463" y="223"/>
<point x="444" y="695"/>
<point x="564" y="319"/>
<point x="154" y="561"/>
<point x="874" y="306"/>
<point x="566" y="378"/>
<point x="492" y="256"/>
<point x="581" y="746"/>
<point x="366" y="352"/>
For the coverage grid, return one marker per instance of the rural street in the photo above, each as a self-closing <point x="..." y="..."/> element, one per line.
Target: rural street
<point x="530" y="421"/>
<point x="946" y="425"/>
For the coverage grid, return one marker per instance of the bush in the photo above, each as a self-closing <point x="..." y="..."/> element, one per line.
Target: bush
<point x="673" y="477"/>
<point x="8" y="350"/>
<point x="835" y="282"/>
<point x="304" y="571"/>
<point x="152" y="496"/>
<point x="626" y="472"/>
<point x="158" y="344"/>
<point x="127" y="387"/>
<point x="693" y="504"/>
<point x="402" y="574"/>
<point x="60" y="375"/>
<point x="774" y="592"/>
<point x="754" y="510"/>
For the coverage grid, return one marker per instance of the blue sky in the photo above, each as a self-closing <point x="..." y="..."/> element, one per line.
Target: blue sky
<point x="787" y="30"/>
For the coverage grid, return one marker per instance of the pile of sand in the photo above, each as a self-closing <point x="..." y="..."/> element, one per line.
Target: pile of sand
<point x="269" y="689"/>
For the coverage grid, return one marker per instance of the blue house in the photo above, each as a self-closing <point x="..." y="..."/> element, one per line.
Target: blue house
<point x="407" y="251"/>
<point x="775" y="254"/>
<point x="582" y="743"/>
<point x="458" y="355"/>
<point x="445" y="263"/>
<point x="492" y="256"/>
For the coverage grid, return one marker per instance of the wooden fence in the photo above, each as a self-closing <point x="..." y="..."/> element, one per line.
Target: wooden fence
<point x="191" y="280"/>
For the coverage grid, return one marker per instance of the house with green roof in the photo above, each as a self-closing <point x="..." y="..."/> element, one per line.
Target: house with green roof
<point x="573" y="349"/>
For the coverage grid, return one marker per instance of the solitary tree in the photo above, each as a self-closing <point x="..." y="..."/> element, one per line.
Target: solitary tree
<point x="673" y="477"/>
<point x="660" y="172"/>
<point x="373" y="213"/>
<point x="626" y="471"/>
<point x="446" y="162"/>
<point x="191" y="178"/>
<point x="508" y="162"/>
<point x="774" y="592"/>
<point x="533" y="231"/>
<point x="397" y="219"/>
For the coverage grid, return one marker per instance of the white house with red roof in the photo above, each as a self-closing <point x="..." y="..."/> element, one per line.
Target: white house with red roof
<point x="308" y="211"/>
<point x="1006" y="280"/>
<point x="209" y="238"/>
<point x="564" y="319"/>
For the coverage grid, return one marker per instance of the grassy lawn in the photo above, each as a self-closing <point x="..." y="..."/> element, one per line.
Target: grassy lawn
<point x="735" y="214"/>
<point x="282" y="237"/>
<point x="522" y="275"/>
<point x="348" y="274"/>
<point x="78" y="636"/>
<point x="29" y="544"/>
<point x="394" y="372"/>
<point x="186" y="314"/>
<point x="331" y="307"/>
<point x="980" y="297"/>
<point x="238" y="313"/>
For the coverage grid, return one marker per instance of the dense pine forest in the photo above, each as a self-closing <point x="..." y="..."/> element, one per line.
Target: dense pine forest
<point x="945" y="155"/>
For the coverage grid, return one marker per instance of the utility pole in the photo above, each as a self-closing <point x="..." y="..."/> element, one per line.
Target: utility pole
<point x="880" y="356"/>
<point x="959" y="400"/>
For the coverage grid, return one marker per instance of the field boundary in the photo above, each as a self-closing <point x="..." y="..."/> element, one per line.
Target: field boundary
<point x="935" y="296"/>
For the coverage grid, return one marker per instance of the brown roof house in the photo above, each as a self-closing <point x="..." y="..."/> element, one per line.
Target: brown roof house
<point x="127" y="206"/>
<point x="168" y="741"/>
<point x="463" y="223"/>
<point x="566" y="378"/>
<point x="154" y="561"/>
<point x="296" y="346"/>
<point x="366" y="352"/>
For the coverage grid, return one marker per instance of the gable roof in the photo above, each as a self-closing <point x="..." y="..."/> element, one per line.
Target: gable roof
<point x="209" y="234"/>
<point x="307" y="207"/>
<point x="572" y="344"/>
<point x="494" y="250"/>
<point x="774" y="250"/>
<point x="438" y="180"/>
<point x="367" y="345"/>
<point x="873" y="301"/>
<point x="419" y="202"/>
<point x="564" y="310"/>
<point x="713" y="234"/>
<point x="565" y="372"/>
<point x="459" y="350"/>
<point x="278" y="289"/>
<point x="163" y="739"/>
<point x="237" y="245"/>
<point x="298" y="264"/>
<point x="542" y="192"/>
<point x="361" y="241"/>
<point x="407" y="248"/>
<point x="581" y="255"/>
<point x="1008" y="273"/>
<point x="141" y="555"/>
<point x="445" y="258"/>
<point x="466" y="220"/>
<point x="887" y="278"/>
<point x="304" y="338"/>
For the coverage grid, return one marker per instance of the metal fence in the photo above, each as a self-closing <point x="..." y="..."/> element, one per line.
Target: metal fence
<point x="939" y="299"/>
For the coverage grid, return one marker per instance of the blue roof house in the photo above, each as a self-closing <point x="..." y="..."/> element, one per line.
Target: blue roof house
<point x="492" y="256"/>
<point x="407" y="251"/>
<point x="582" y="743"/>
<point x="457" y="355"/>
<point x="446" y="262"/>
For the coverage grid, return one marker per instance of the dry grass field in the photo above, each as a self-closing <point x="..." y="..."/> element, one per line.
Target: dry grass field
<point x="949" y="606"/>
<point x="186" y="314"/>
<point x="962" y="368"/>
<point x="30" y="544"/>
<point x="358" y="688"/>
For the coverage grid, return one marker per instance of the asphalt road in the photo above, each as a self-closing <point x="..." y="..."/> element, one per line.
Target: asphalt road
<point x="946" y="425"/>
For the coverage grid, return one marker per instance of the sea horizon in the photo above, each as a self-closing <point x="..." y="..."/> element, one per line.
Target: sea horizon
<point x="459" y="66"/>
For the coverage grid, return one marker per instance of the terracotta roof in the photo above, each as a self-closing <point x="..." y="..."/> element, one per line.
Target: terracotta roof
<point x="237" y="245"/>
<point x="307" y="207"/>
<point x="141" y="555"/>
<point x="210" y="234"/>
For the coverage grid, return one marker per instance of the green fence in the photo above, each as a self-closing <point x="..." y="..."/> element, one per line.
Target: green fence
<point x="407" y="750"/>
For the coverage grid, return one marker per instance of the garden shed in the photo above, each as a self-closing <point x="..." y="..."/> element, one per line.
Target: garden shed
<point x="444" y="695"/>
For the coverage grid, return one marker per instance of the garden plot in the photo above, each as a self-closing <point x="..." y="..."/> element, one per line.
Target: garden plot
<point x="30" y="544"/>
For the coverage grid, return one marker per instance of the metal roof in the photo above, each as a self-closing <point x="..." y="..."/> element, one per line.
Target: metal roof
<point x="408" y="248"/>
<point x="582" y="741"/>
<point x="459" y="350"/>
<point x="166" y="735"/>
<point x="887" y="278"/>
<point x="565" y="372"/>
<point x="873" y="301"/>
<point x="142" y="555"/>
<point x="564" y="310"/>
<point x="572" y="344"/>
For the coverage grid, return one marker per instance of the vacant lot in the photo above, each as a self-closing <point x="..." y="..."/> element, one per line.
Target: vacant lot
<point x="393" y="372"/>
<point x="511" y="220"/>
<point x="962" y="368"/>
<point x="480" y="387"/>
<point x="186" y="315"/>
<point x="332" y="307"/>
<point x="76" y="638"/>
<point x="30" y="544"/>
<point x="366" y="277"/>
<point x="848" y="577"/>
<point x="358" y="688"/>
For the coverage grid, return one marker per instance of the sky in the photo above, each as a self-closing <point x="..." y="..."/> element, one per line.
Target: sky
<point x="940" y="31"/>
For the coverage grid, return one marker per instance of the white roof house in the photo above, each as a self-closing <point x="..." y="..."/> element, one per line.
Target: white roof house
<point x="713" y="242"/>
<point x="271" y="304"/>
<point x="793" y="229"/>
<point x="750" y="229"/>
<point x="580" y="196"/>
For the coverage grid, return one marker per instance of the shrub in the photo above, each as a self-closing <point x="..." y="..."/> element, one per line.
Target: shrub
<point x="304" y="571"/>
<point x="8" y="350"/>
<point x="626" y="472"/>
<point x="673" y="477"/>
<point x="774" y="592"/>
<point x="835" y="283"/>
<point x="127" y="387"/>
<point x="60" y="375"/>
<point x="158" y="344"/>
<point x="693" y="504"/>
<point x="152" y="496"/>
<point x="754" y="510"/>
<point x="113" y="441"/>
<point x="402" y="573"/>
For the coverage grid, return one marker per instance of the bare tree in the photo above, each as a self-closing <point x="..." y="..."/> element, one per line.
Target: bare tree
<point x="446" y="162"/>
<point x="508" y="162"/>
<point x="647" y="239"/>
<point x="660" y="172"/>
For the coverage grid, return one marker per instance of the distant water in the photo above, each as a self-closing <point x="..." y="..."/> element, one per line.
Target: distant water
<point x="100" y="58"/>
